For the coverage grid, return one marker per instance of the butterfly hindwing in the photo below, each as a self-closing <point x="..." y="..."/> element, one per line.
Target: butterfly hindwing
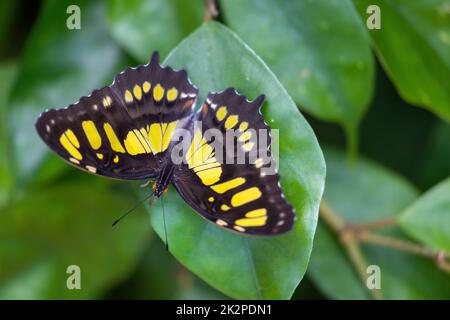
<point x="124" y="130"/>
<point x="246" y="197"/>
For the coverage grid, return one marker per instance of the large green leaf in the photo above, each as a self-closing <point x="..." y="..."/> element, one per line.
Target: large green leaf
<point x="428" y="219"/>
<point x="243" y="266"/>
<point x="143" y="26"/>
<point x="413" y="45"/>
<point x="361" y="193"/>
<point x="8" y="73"/>
<point x="68" y="224"/>
<point x="59" y="66"/>
<point x="319" y="50"/>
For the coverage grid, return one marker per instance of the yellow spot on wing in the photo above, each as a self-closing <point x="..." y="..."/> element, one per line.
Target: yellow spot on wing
<point x="144" y="132"/>
<point x="137" y="92"/>
<point x="251" y="222"/>
<point x="90" y="130"/>
<point x="71" y="149"/>
<point x="116" y="159"/>
<point x="199" y="151"/>
<point x="245" y="136"/>
<point x="133" y="144"/>
<point x="207" y="165"/>
<point x="72" y="138"/>
<point x="112" y="137"/>
<point x="243" y="126"/>
<point x="168" y="130"/>
<point x="224" y="207"/>
<point x="100" y="156"/>
<point x="158" y="92"/>
<point x="248" y="146"/>
<point x="210" y="160"/>
<point x="259" y="163"/>
<point x="128" y="96"/>
<point x="146" y="86"/>
<point x="228" y="185"/>
<point x="107" y="101"/>
<point x="221" y="113"/>
<point x="256" y="213"/>
<point x="245" y="196"/>
<point x="143" y="139"/>
<point x="211" y="199"/>
<point x="231" y="121"/>
<point x="155" y="137"/>
<point x="195" y="144"/>
<point x="172" y="94"/>
<point x="210" y="176"/>
<point x="199" y="154"/>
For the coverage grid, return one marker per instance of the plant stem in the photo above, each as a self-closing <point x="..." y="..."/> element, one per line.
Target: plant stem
<point x="350" y="243"/>
<point x="210" y="10"/>
<point x="377" y="224"/>
<point x="439" y="256"/>
<point x="351" y="235"/>
<point x="330" y="217"/>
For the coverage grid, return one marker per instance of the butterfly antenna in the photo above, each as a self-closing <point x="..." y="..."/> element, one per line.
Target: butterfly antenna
<point x="133" y="208"/>
<point x="165" y="227"/>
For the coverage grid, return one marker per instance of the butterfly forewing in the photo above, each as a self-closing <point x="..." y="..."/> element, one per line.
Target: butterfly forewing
<point x="124" y="130"/>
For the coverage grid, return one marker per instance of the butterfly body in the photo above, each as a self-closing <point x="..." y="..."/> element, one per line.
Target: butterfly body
<point x="144" y="126"/>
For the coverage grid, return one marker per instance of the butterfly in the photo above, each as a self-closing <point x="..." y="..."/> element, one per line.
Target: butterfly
<point x="131" y="129"/>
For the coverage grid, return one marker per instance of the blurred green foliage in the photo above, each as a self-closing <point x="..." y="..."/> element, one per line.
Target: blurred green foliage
<point x="321" y="51"/>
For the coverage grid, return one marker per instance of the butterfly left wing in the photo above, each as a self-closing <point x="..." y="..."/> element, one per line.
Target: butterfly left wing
<point x="246" y="197"/>
<point x="124" y="130"/>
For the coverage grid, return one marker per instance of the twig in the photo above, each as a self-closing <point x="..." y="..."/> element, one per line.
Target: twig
<point x="351" y="235"/>
<point x="210" y="10"/>
<point x="439" y="256"/>
<point x="350" y="243"/>
<point x="331" y="218"/>
<point x="377" y="224"/>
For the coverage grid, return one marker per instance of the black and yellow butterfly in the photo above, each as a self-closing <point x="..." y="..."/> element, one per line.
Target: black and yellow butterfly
<point x="130" y="129"/>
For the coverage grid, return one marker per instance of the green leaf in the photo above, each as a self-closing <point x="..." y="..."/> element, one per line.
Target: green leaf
<point x="69" y="224"/>
<point x="413" y="45"/>
<point x="8" y="73"/>
<point x="142" y="26"/>
<point x="428" y="219"/>
<point x="319" y="50"/>
<point x="360" y="193"/>
<point x="58" y="66"/>
<point x="242" y="266"/>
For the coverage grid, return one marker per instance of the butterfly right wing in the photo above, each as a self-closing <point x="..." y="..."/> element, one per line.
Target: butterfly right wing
<point x="243" y="196"/>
